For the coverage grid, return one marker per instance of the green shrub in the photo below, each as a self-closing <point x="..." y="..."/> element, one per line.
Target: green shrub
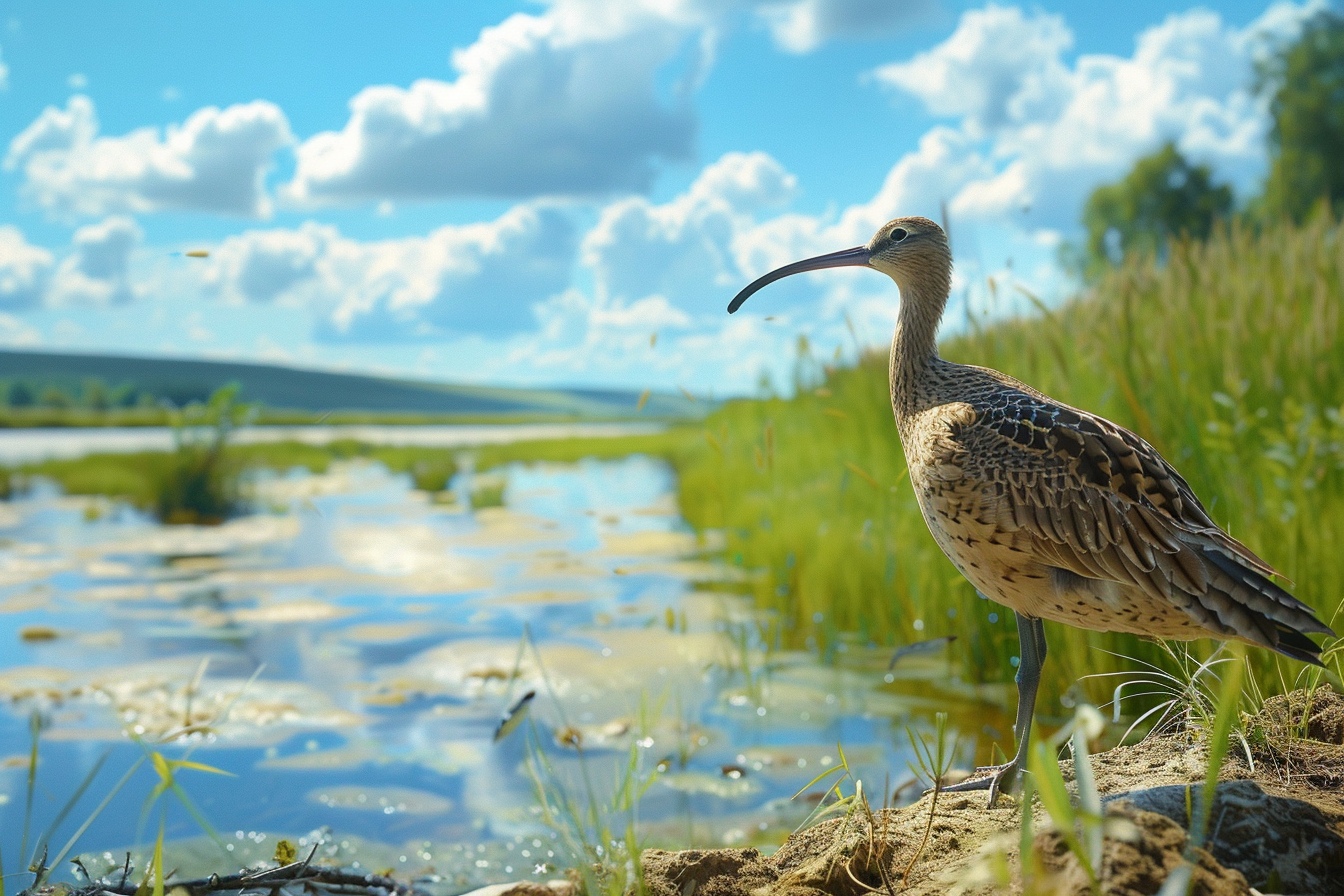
<point x="487" y="491"/>
<point x="198" y="483"/>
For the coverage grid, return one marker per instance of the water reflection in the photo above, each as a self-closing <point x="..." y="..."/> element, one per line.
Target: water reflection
<point x="347" y="656"/>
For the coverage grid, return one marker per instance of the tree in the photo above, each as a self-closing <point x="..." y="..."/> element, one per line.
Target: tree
<point x="1163" y="196"/>
<point x="95" y="395"/>
<point x="21" y="395"/>
<point x="1305" y="84"/>
<point x="54" y="397"/>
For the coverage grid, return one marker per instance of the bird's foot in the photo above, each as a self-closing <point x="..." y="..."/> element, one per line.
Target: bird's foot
<point x="994" y="778"/>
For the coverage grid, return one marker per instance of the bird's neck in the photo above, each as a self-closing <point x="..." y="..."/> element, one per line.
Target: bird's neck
<point x="914" y="347"/>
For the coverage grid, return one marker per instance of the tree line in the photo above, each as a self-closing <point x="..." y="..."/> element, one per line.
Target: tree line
<point x="1165" y="196"/>
<point x="92" y="394"/>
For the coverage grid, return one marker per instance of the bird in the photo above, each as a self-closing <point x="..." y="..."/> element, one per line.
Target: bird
<point x="1047" y="509"/>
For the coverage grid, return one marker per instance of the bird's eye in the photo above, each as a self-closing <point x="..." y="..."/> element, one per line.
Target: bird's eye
<point x="898" y="234"/>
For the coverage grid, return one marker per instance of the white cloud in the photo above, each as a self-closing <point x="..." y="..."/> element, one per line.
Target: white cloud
<point x="800" y="26"/>
<point x="542" y="104"/>
<point x="98" y="269"/>
<point x="682" y="250"/>
<point x="25" y="270"/>
<point x="77" y="81"/>
<point x="4" y="74"/>
<point x="482" y="278"/>
<point x="16" y="333"/>
<point x="215" y="161"/>
<point x="262" y="265"/>
<point x="1054" y="129"/>
<point x="582" y="99"/>
<point x="998" y="66"/>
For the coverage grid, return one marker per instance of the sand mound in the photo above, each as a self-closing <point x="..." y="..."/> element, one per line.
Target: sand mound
<point x="1277" y="825"/>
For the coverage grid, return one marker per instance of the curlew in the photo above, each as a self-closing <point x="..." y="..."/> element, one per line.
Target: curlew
<point x="1049" y="510"/>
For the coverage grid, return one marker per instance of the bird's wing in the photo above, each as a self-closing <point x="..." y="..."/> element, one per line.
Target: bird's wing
<point x="1101" y="502"/>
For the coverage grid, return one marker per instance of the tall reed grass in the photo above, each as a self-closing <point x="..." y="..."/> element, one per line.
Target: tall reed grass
<point x="1229" y="358"/>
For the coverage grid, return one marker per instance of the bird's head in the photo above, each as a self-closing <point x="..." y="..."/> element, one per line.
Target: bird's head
<point x="905" y="249"/>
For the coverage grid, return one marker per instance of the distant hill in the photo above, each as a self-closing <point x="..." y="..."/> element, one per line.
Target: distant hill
<point x="291" y="388"/>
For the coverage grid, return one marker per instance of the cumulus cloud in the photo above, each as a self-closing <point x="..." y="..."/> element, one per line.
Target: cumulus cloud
<point x="542" y="104"/>
<point x="571" y="101"/>
<point x="262" y="265"/>
<point x="681" y="251"/>
<point x="482" y="278"/>
<point x="25" y="270"/>
<point x="98" y="270"/>
<point x="1000" y="65"/>
<point x="215" y="161"/>
<point x="1054" y="128"/>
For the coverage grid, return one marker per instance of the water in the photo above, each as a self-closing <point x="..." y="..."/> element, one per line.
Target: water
<point x="26" y="445"/>
<point x="346" y="655"/>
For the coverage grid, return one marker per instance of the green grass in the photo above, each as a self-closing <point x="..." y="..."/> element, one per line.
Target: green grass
<point x="142" y="477"/>
<point x="489" y="457"/>
<point x="488" y="492"/>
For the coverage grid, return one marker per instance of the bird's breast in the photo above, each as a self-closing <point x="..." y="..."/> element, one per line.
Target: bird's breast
<point x="928" y="436"/>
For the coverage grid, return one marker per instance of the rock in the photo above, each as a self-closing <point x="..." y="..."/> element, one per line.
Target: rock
<point x="1137" y="866"/>
<point x="1280" y="844"/>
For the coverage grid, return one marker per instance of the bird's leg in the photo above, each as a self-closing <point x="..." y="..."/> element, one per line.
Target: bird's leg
<point x="1031" y="652"/>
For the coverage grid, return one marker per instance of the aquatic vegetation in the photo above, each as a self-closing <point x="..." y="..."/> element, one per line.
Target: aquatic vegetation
<point x="198" y="481"/>
<point x="488" y="491"/>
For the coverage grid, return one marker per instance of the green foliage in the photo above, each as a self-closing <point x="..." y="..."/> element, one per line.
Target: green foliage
<point x="55" y="397"/>
<point x="130" y="476"/>
<point x="198" y="482"/>
<point x="489" y="457"/>
<point x="95" y="395"/>
<point x="487" y="492"/>
<point x="145" y="478"/>
<point x="1163" y="197"/>
<point x="20" y="395"/>
<point x="1305" y="83"/>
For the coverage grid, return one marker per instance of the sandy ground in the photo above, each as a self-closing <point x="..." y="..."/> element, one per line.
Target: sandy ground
<point x="1277" y="826"/>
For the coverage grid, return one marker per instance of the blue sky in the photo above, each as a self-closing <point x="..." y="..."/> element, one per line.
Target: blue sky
<point x="569" y="192"/>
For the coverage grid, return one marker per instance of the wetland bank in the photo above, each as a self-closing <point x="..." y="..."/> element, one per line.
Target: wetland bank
<point x="749" y="580"/>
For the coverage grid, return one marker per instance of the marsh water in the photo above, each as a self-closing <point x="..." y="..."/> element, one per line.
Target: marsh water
<point x="345" y="653"/>
<point x="23" y="445"/>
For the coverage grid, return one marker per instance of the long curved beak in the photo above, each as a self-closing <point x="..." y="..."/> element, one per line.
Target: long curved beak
<point x="858" y="257"/>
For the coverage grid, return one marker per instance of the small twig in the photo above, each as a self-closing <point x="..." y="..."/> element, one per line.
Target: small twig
<point x="270" y="880"/>
<point x="308" y="861"/>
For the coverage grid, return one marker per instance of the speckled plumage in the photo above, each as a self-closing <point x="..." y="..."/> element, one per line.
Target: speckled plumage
<point x="1060" y="514"/>
<point x="1049" y="510"/>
